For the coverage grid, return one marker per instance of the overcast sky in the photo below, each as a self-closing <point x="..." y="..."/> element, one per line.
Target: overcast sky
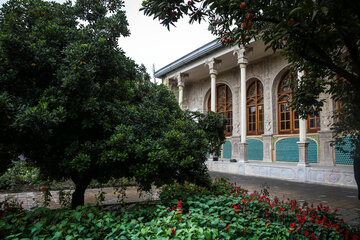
<point x="151" y="43"/>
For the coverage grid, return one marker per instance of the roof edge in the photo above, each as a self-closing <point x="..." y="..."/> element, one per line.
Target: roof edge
<point x="190" y="57"/>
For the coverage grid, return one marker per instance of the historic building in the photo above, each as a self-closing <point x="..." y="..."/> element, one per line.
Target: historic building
<point x="263" y="134"/>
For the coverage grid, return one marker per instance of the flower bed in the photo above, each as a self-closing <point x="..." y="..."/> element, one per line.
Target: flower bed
<point x="230" y="212"/>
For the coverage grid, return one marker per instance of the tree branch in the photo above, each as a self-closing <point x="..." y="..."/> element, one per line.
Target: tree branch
<point x="353" y="79"/>
<point x="351" y="46"/>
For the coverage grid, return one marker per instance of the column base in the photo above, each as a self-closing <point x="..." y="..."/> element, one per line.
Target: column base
<point x="326" y="151"/>
<point x="243" y="153"/>
<point x="235" y="141"/>
<point x="303" y="154"/>
<point x="267" y="148"/>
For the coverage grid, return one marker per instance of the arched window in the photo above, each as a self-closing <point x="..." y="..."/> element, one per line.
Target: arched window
<point x="224" y="105"/>
<point x="255" y="108"/>
<point x="288" y="118"/>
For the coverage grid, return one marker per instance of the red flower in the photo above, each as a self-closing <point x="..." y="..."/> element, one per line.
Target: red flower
<point x="42" y="188"/>
<point x="178" y="207"/>
<point x="307" y="234"/>
<point x="313" y="235"/>
<point x="173" y="231"/>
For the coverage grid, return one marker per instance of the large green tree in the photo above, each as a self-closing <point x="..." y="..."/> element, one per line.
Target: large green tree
<point x="321" y="37"/>
<point x="74" y="105"/>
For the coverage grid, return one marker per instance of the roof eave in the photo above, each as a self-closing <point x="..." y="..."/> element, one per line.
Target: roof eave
<point x="191" y="57"/>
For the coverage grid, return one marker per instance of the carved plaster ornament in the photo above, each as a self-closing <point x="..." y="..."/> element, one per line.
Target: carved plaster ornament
<point x="214" y="65"/>
<point x="242" y="53"/>
<point x="268" y="125"/>
<point x="181" y="79"/>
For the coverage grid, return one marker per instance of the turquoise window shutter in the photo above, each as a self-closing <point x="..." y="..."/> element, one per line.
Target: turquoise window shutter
<point x="255" y="149"/>
<point x="227" y="150"/>
<point x="287" y="150"/>
<point x="345" y="158"/>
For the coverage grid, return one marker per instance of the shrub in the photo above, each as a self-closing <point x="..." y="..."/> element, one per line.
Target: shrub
<point x="233" y="214"/>
<point x="18" y="175"/>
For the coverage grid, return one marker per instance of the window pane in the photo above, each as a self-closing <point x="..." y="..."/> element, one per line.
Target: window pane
<point x="296" y="124"/>
<point x="282" y="108"/>
<point x="312" y="123"/>
<point x="261" y="125"/>
<point x="254" y="126"/>
<point x="287" y="124"/>
<point x="318" y="122"/>
<point x="250" y="127"/>
<point x="282" y="116"/>
<point x="287" y="115"/>
<point x="282" y="125"/>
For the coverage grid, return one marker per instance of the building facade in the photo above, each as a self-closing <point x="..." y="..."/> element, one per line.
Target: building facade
<point x="248" y="85"/>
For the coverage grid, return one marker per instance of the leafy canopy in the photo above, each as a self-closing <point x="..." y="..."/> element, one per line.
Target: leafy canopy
<point x="75" y="106"/>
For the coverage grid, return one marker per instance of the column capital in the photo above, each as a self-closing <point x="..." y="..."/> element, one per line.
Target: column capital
<point x="213" y="65"/>
<point x="241" y="55"/>
<point x="181" y="78"/>
<point x="165" y="81"/>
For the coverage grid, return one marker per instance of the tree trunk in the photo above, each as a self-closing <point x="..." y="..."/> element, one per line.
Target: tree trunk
<point x="78" y="195"/>
<point x="357" y="164"/>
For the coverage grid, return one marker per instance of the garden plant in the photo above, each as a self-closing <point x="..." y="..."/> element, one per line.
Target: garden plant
<point x="186" y="211"/>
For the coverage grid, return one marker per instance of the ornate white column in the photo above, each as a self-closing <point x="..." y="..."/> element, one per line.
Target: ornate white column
<point x="303" y="145"/>
<point x="181" y="84"/>
<point x="213" y="65"/>
<point x="242" y="61"/>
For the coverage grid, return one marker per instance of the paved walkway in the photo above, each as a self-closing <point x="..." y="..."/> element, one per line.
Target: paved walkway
<point x="341" y="198"/>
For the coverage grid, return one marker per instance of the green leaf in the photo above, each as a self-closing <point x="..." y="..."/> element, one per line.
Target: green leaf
<point x="295" y="11"/>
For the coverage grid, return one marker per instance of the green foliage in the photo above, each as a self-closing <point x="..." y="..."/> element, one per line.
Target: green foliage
<point x="173" y="192"/>
<point x="232" y="214"/>
<point x="18" y="175"/>
<point x="78" y="108"/>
